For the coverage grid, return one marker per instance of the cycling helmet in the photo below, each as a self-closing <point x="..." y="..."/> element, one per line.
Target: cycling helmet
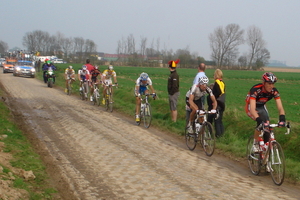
<point x="269" y="77"/>
<point x="144" y="76"/>
<point x="203" y="80"/>
<point x="110" y="67"/>
<point x="84" y="67"/>
<point x="70" y="67"/>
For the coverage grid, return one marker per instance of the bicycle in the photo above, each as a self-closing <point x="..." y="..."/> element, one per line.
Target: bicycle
<point x="84" y="90"/>
<point x="202" y="133"/>
<point x="69" y="87"/>
<point x="270" y="156"/>
<point x="96" y="94"/>
<point x="145" y="111"/>
<point x="109" y="98"/>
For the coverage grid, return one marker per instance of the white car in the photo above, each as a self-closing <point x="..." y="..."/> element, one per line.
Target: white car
<point x="2" y="61"/>
<point x="58" y="61"/>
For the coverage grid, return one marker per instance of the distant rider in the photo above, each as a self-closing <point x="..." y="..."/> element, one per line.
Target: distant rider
<point x="69" y="74"/>
<point x="141" y="88"/>
<point x="106" y="79"/>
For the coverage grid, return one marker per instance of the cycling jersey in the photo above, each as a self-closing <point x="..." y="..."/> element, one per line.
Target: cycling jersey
<point x="141" y="84"/>
<point x="261" y="97"/>
<point x="69" y="71"/>
<point x="195" y="90"/>
<point x="108" y="75"/>
<point x="84" y="74"/>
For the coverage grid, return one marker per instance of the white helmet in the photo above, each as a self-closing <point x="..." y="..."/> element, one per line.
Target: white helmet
<point x="110" y="67"/>
<point x="203" y="80"/>
<point x="70" y="67"/>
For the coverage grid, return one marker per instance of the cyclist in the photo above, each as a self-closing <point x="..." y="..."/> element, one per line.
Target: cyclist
<point x="194" y="102"/>
<point x="106" y="79"/>
<point x="255" y="107"/>
<point x="69" y="74"/>
<point x="83" y="75"/>
<point x="94" y="77"/>
<point x="46" y="66"/>
<point x="141" y="87"/>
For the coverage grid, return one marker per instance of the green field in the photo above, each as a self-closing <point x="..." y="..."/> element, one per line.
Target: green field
<point x="238" y="126"/>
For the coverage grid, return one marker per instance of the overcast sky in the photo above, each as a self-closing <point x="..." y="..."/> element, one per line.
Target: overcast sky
<point x="177" y="23"/>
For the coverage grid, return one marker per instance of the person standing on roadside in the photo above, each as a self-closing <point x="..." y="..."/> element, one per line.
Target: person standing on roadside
<point x="218" y="90"/>
<point x="201" y="72"/>
<point x="89" y="66"/>
<point x="173" y="88"/>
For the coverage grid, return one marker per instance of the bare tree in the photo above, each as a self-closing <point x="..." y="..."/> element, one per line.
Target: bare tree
<point x="143" y="46"/>
<point x="257" y="47"/>
<point x="131" y="44"/>
<point x="3" y="47"/>
<point x="67" y="46"/>
<point x="225" y="41"/>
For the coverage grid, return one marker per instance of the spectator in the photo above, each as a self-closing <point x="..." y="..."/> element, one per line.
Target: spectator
<point x="89" y="66"/>
<point x="173" y="88"/>
<point x="218" y="89"/>
<point x="201" y="73"/>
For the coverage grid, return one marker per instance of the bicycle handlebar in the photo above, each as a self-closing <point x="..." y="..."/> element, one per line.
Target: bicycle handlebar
<point x="287" y="126"/>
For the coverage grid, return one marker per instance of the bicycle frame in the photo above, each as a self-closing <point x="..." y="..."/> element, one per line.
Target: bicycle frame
<point x="272" y="158"/>
<point x="145" y="111"/>
<point x="109" y="98"/>
<point x="85" y="90"/>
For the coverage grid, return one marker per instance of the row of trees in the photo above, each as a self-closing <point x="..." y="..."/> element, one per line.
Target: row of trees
<point x="76" y="48"/>
<point x="224" y="44"/>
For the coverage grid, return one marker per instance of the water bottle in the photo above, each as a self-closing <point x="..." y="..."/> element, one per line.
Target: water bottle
<point x="142" y="107"/>
<point x="198" y="127"/>
<point x="261" y="143"/>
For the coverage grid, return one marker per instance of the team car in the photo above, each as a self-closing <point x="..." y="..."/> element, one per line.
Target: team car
<point x="8" y="66"/>
<point x="24" y="68"/>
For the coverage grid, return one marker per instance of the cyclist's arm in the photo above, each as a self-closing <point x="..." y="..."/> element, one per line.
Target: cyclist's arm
<point x="115" y="78"/>
<point x="193" y="106"/>
<point x="253" y="111"/>
<point x="214" y="102"/>
<point x="279" y="107"/>
<point x="137" y="90"/>
<point x="152" y="89"/>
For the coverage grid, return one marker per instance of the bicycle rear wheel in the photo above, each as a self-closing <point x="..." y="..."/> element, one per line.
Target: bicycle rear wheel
<point x="254" y="158"/>
<point x="208" y="139"/>
<point x="190" y="139"/>
<point x="276" y="163"/>
<point x="147" y="115"/>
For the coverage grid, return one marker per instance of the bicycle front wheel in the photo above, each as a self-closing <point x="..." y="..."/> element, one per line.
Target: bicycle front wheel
<point x="208" y="139"/>
<point x="96" y="98"/>
<point x="147" y="115"/>
<point x="254" y="158"/>
<point x="110" y="103"/>
<point x="190" y="140"/>
<point x="276" y="163"/>
<point x="69" y="88"/>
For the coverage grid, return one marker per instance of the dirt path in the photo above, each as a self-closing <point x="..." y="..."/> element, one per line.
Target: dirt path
<point x="93" y="154"/>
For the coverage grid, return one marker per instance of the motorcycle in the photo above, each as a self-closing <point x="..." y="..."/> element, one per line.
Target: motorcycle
<point x="50" y="77"/>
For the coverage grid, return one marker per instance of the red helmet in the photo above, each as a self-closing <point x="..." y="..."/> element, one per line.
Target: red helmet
<point x="269" y="77"/>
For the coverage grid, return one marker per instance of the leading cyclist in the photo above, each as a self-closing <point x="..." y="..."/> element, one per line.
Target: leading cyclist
<point x="141" y="87"/>
<point x="106" y="79"/>
<point x="255" y="107"/>
<point x="194" y="102"/>
<point x="69" y="74"/>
